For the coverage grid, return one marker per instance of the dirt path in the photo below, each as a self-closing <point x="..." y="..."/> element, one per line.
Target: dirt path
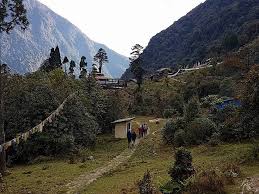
<point x="85" y="179"/>
<point x="250" y="185"/>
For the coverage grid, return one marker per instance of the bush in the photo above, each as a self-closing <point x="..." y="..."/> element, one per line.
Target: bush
<point x="145" y="185"/>
<point x="199" y="131"/>
<point x="231" y="130"/>
<point x="214" y="140"/>
<point x="207" y="182"/>
<point x="172" y="187"/>
<point x="168" y="132"/>
<point x="221" y="116"/>
<point x="176" y="101"/>
<point x="168" y="113"/>
<point x="179" y="138"/>
<point x="182" y="168"/>
<point x="192" y="109"/>
<point x="72" y="129"/>
<point x="250" y="102"/>
<point x="208" y="87"/>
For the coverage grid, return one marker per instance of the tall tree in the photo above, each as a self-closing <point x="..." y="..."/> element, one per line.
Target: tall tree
<point x="83" y="66"/>
<point x="57" y="58"/>
<point x="101" y="58"/>
<point x="54" y="61"/>
<point x="71" y="68"/>
<point x="12" y="14"/>
<point x="64" y="62"/>
<point x="135" y="63"/>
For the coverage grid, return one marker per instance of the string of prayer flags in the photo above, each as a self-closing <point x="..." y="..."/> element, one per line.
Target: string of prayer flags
<point x="38" y="128"/>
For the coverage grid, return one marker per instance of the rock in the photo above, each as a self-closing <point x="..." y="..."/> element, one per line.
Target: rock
<point x="250" y="185"/>
<point x="90" y="158"/>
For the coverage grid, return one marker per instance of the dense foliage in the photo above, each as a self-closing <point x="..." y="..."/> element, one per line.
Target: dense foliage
<point x="32" y="98"/>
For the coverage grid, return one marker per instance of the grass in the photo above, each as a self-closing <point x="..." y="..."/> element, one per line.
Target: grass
<point x="153" y="155"/>
<point x="51" y="176"/>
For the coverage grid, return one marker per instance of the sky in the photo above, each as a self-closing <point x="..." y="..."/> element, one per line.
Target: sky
<point x="120" y="24"/>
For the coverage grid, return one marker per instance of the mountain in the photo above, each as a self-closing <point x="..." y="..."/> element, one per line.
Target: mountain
<point x="203" y="33"/>
<point x="26" y="51"/>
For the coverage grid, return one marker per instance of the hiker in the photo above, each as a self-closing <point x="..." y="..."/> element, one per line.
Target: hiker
<point x="129" y="136"/>
<point x="142" y="130"/>
<point x="134" y="136"/>
<point x="145" y="129"/>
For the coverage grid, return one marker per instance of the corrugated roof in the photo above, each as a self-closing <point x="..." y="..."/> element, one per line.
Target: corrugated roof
<point x="123" y="120"/>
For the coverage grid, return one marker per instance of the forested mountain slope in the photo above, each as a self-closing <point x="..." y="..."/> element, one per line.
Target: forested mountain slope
<point x="210" y="29"/>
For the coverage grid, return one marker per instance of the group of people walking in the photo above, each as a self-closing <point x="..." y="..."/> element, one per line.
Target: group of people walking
<point x="143" y="130"/>
<point x="132" y="136"/>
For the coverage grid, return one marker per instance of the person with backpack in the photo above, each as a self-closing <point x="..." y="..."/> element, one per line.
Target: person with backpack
<point x="129" y="137"/>
<point x="133" y="136"/>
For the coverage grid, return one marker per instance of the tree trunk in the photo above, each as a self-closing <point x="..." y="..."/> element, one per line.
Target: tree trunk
<point x="2" y="132"/>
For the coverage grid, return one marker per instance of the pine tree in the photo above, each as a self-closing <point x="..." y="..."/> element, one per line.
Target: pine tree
<point x="65" y="61"/>
<point x="71" y="68"/>
<point x="57" y="58"/>
<point x="101" y="58"/>
<point x="135" y="63"/>
<point x="83" y="66"/>
<point x="54" y="61"/>
<point x="12" y="13"/>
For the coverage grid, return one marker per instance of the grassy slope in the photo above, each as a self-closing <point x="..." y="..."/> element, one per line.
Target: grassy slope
<point x="154" y="156"/>
<point x="51" y="176"/>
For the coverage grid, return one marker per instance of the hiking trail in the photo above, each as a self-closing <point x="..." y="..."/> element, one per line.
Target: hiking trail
<point x="86" y="179"/>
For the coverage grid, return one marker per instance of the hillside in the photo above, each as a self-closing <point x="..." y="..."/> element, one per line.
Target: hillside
<point x="202" y="33"/>
<point x="25" y="51"/>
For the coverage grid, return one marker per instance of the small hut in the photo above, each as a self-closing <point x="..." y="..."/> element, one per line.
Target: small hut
<point x="122" y="126"/>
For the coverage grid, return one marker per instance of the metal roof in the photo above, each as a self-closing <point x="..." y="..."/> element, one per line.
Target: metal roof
<point x="123" y="120"/>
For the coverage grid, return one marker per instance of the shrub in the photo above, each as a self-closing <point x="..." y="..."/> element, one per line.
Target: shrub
<point x="199" y="131"/>
<point x="221" y="116"/>
<point x="207" y="182"/>
<point x="145" y="185"/>
<point x="250" y="102"/>
<point x="208" y="87"/>
<point x="214" y="140"/>
<point x="176" y="101"/>
<point x="189" y="92"/>
<point x="170" y="128"/>
<point x="172" y="187"/>
<point x="168" y="132"/>
<point x="231" y="130"/>
<point x="192" y="109"/>
<point x="168" y="113"/>
<point x="72" y="129"/>
<point x="179" y="138"/>
<point x="182" y="168"/>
